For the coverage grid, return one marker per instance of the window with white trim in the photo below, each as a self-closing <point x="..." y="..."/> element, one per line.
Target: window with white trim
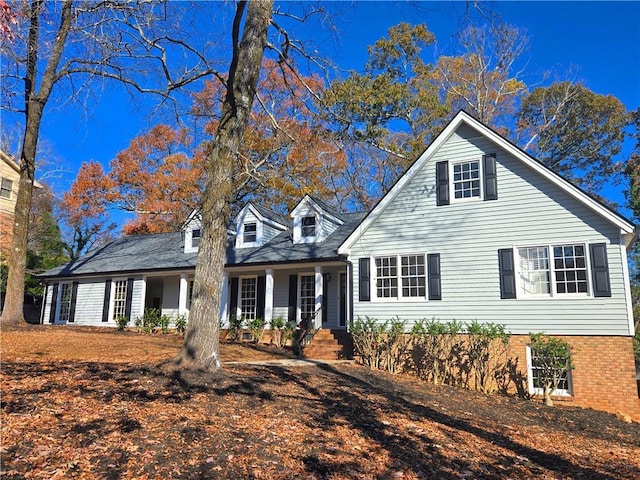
<point x="5" y="188"/>
<point x="248" y="297"/>
<point x="65" y="302"/>
<point x="195" y="238"/>
<point x="308" y="226"/>
<point x="564" y="273"/>
<point x="411" y="276"/>
<point x="387" y="277"/>
<point x="119" y="299"/>
<point x="250" y="232"/>
<point x="466" y="179"/>
<point x="536" y="386"/>
<point x="307" y="296"/>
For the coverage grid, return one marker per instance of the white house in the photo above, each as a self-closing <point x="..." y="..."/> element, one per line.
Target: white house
<point x="475" y="229"/>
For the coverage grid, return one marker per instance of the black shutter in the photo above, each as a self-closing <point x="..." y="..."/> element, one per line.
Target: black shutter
<point x="364" y="284"/>
<point x="325" y="295"/>
<point x="600" y="270"/>
<point x="54" y="304"/>
<point x="490" y="177"/>
<point x="127" y="305"/>
<point x="293" y="297"/>
<point x="107" y="300"/>
<point x="233" y="298"/>
<point x="261" y="287"/>
<point x="507" y="273"/>
<point x="433" y="272"/>
<point x="442" y="183"/>
<point x="74" y="297"/>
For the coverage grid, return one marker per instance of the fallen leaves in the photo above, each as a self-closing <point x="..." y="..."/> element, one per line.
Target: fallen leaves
<point x="65" y="418"/>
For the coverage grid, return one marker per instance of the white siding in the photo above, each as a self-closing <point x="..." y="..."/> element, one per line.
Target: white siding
<point x="467" y="235"/>
<point x="171" y="296"/>
<point x="89" y="303"/>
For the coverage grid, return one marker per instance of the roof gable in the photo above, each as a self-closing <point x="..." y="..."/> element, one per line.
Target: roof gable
<point x="627" y="229"/>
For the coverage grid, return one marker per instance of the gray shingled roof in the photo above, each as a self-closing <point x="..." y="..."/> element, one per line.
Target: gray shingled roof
<point x="165" y="251"/>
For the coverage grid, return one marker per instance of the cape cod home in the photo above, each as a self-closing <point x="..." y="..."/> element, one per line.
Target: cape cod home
<point x="474" y="230"/>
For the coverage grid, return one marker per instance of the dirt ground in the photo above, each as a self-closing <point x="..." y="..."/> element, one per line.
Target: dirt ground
<point x="95" y="403"/>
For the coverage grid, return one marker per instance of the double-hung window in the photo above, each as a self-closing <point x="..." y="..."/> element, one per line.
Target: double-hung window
<point x="65" y="302"/>
<point x="466" y="179"/>
<point x="195" y="238"/>
<point x="5" y="188"/>
<point x="119" y="299"/>
<point x="308" y="227"/>
<point x="536" y="386"/>
<point x="248" y="298"/>
<point x="553" y="270"/>
<point x="249" y="234"/>
<point x="307" y="297"/>
<point x="407" y="281"/>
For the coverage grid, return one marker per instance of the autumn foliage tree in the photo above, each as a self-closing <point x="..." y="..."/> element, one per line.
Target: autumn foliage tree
<point x="157" y="178"/>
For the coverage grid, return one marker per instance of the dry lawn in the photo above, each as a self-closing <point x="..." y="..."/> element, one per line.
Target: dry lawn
<point x="89" y="403"/>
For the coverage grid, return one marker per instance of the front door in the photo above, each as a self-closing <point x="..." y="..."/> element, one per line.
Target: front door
<point x="342" y="300"/>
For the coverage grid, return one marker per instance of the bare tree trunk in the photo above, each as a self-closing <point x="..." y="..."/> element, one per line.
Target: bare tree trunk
<point x="200" y="349"/>
<point x="35" y="102"/>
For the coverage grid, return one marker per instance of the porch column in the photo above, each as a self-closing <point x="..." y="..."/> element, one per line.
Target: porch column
<point x="319" y="289"/>
<point x="268" y="296"/>
<point x="224" y="299"/>
<point x="143" y="294"/>
<point x="184" y="294"/>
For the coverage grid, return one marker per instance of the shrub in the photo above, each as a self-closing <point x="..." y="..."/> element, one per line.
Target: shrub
<point x="122" y="322"/>
<point x="486" y="345"/>
<point x="181" y="324"/>
<point x="277" y="325"/>
<point x="394" y="346"/>
<point x="367" y="337"/>
<point x="163" y="323"/>
<point x="235" y="327"/>
<point x="436" y="350"/>
<point x="149" y="321"/>
<point x="552" y="360"/>
<point x="256" y="328"/>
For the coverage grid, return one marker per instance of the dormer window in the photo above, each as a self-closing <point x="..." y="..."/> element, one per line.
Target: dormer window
<point x="195" y="238"/>
<point x="308" y="227"/>
<point x="250" y="233"/>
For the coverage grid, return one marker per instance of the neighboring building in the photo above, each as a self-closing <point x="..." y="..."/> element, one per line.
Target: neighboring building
<point x="9" y="181"/>
<point x="474" y="230"/>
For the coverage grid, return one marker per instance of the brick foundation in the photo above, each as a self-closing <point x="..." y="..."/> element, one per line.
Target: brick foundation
<point x="603" y="377"/>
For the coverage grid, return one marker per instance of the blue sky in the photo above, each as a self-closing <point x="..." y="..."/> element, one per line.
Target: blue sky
<point x="598" y="41"/>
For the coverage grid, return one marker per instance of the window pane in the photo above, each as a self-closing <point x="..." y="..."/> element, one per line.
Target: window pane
<point x="571" y="271"/>
<point x="466" y="179"/>
<point x="249" y="235"/>
<point x="5" y="188"/>
<point x="534" y="270"/>
<point x="307" y="296"/>
<point x="413" y="277"/>
<point x="248" y="298"/>
<point x="386" y="277"/>
<point x="119" y="299"/>
<point x="308" y="227"/>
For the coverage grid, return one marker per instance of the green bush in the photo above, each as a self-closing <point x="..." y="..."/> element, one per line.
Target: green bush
<point x="277" y="326"/>
<point x="486" y="345"/>
<point x="437" y="347"/>
<point x="163" y="323"/>
<point x="235" y="327"/>
<point x="553" y="357"/>
<point x="149" y="321"/>
<point x="122" y="322"/>
<point x="256" y="328"/>
<point x="181" y="324"/>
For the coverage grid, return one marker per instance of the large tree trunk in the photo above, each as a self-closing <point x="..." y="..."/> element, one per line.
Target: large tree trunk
<point x="35" y="101"/>
<point x="200" y="349"/>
